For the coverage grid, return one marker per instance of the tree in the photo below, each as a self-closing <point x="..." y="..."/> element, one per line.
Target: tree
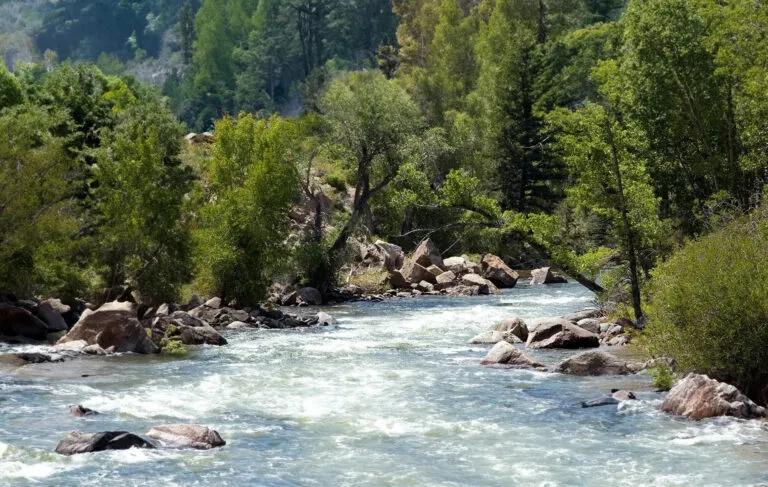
<point x="605" y="157"/>
<point x="141" y="238"/>
<point x="10" y="89"/>
<point x="246" y="190"/>
<point x="373" y="119"/>
<point x="39" y="217"/>
<point x="187" y="31"/>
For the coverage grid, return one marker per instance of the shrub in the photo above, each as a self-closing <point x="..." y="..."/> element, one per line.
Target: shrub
<point x="663" y="379"/>
<point x="172" y="347"/>
<point x="371" y="281"/>
<point x="709" y="305"/>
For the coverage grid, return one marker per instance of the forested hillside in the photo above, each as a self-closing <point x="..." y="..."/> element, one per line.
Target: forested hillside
<point x="595" y="134"/>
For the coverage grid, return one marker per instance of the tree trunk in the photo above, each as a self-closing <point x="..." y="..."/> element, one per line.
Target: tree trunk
<point x="628" y="230"/>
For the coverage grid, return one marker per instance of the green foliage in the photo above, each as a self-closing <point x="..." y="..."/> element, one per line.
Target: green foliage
<point x="172" y="347"/>
<point x="663" y="379"/>
<point x="709" y="305"/>
<point x="247" y="187"/>
<point x="10" y="90"/>
<point x="142" y="240"/>
<point x="371" y="281"/>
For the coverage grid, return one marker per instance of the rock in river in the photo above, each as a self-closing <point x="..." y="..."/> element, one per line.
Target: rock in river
<point x="187" y="435"/>
<point x="504" y="353"/>
<point x="112" y="325"/>
<point x="561" y="333"/>
<point x="79" y="442"/>
<point x="16" y="321"/>
<point x="593" y="363"/>
<point x="699" y="397"/>
<point x="514" y="326"/>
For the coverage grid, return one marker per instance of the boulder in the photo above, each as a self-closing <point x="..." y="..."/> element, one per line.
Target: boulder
<point x="428" y="254"/>
<point x="484" y="285"/>
<point x="185" y="319"/>
<point x="112" y="325"/>
<point x="199" y="335"/>
<point x="583" y="314"/>
<point x="488" y="338"/>
<point x="51" y="311"/>
<point x="79" y="442"/>
<point x="425" y="287"/>
<point x="462" y="290"/>
<point x="15" y="321"/>
<point x="617" y="397"/>
<point x="186" y="436"/>
<point x="496" y="271"/>
<point x="414" y="273"/>
<point x="384" y="255"/>
<point x="504" y="353"/>
<point x="166" y="309"/>
<point x="560" y="333"/>
<point x="80" y="411"/>
<point x="311" y="296"/>
<point x="447" y="277"/>
<point x="397" y="280"/>
<point x="237" y="325"/>
<point x="544" y="276"/>
<point x="435" y="270"/>
<point x="94" y="349"/>
<point x="590" y="324"/>
<point x="514" y="326"/>
<point x="699" y="397"/>
<point x="593" y="363"/>
<point x="457" y="265"/>
<point x="214" y="303"/>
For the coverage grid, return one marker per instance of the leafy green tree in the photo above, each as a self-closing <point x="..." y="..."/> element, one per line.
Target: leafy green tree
<point x="605" y="157"/>
<point x="373" y="119"/>
<point x="247" y="187"/>
<point x="142" y="239"/>
<point x="39" y="217"/>
<point x="10" y="90"/>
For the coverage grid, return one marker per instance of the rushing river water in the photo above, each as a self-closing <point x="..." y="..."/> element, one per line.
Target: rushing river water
<point x="393" y="396"/>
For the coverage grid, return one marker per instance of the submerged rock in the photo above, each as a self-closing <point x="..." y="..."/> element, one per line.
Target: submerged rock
<point x="324" y="319"/>
<point x="699" y="397"/>
<point x="617" y="397"/>
<point x="81" y="411"/>
<point x="187" y="435"/>
<point x="79" y="442"/>
<point x="504" y="353"/>
<point x="593" y="363"/>
<point x="489" y="338"/>
<point x="561" y="333"/>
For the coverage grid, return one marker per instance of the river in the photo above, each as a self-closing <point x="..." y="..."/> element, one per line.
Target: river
<point x="393" y="397"/>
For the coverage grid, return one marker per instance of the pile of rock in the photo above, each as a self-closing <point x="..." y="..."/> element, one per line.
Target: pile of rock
<point x="544" y="275"/>
<point x="28" y="319"/>
<point x="426" y="272"/>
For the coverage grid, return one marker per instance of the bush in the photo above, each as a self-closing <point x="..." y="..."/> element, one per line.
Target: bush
<point x="663" y="379"/>
<point x="371" y="281"/>
<point x="709" y="306"/>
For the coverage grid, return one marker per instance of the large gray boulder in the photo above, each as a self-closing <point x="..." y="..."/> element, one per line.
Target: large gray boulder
<point x="560" y="333"/>
<point x="112" y="325"/>
<point x="79" y="442"/>
<point x="699" y="397"/>
<point x="514" y="326"/>
<point x="414" y="273"/>
<point x="593" y="363"/>
<point x="496" y="271"/>
<point x="504" y="353"/>
<point x="485" y="286"/>
<point x="545" y="276"/>
<point x="187" y="436"/>
<point x="428" y="254"/>
<point x="489" y="338"/>
<point x="583" y="314"/>
<point x="311" y="296"/>
<point x="384" y="255"/>
<point x="457" y="265"/>
<point x="51" y="311"/>
<point x="18" y="322"/>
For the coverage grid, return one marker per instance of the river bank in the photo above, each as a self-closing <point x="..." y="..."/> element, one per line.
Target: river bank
<point x="394" y="396"/>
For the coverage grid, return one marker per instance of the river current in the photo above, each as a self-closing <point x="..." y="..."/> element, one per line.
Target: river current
<point x="394" y="396"/>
